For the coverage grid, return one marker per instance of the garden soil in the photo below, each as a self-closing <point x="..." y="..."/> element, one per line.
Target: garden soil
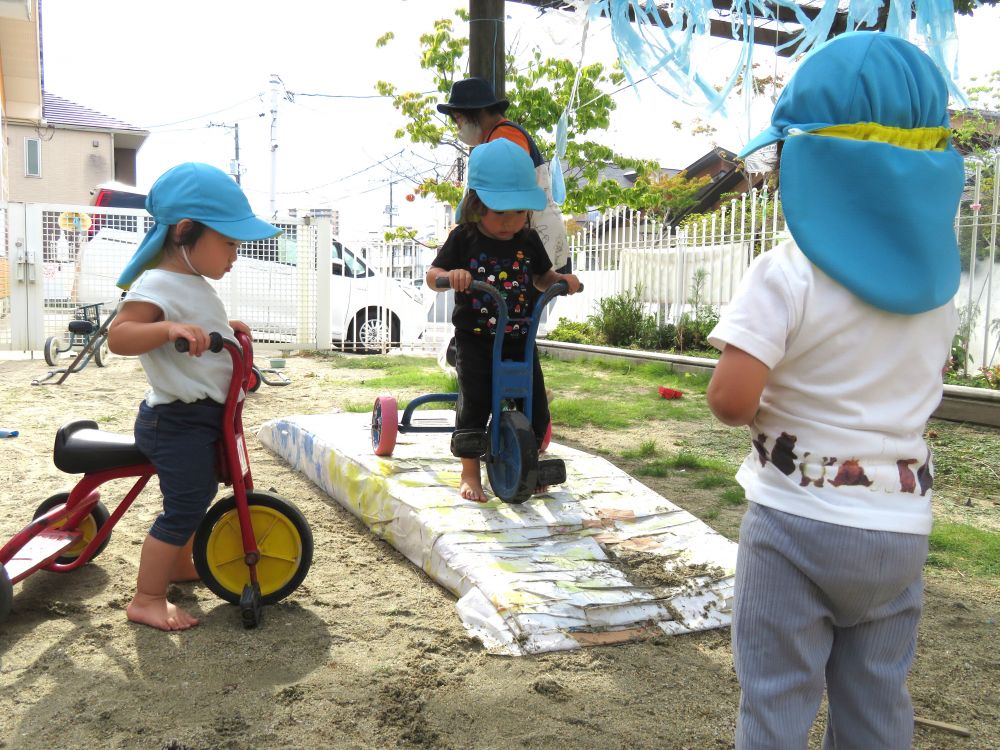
<point x="369" y="652"/>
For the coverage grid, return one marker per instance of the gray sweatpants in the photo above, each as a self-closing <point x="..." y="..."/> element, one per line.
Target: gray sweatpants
<point x="819" y="603"/>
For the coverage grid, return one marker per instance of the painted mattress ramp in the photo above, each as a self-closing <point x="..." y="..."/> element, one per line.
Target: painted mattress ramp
<point x="601" y="559"/>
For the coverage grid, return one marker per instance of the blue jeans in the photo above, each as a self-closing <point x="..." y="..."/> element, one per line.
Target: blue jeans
<point x="180" y="440"/>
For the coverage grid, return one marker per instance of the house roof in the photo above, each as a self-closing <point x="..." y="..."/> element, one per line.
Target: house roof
<point x="59" y="111"/>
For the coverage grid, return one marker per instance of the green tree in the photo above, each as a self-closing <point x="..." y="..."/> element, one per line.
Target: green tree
<point x="538" y="90"/>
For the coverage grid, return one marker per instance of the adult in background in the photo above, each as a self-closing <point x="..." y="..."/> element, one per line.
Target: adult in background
<point x="479" y="116"/>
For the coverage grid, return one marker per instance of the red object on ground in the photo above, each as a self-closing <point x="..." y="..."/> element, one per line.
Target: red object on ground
<point x="669" y="392"/>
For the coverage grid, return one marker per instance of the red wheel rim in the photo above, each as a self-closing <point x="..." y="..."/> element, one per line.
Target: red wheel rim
<point x="385" y="425"/>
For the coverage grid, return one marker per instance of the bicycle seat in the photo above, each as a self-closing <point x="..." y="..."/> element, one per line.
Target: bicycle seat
<point x="82" y="327"/>
<point x="81" y="448"/>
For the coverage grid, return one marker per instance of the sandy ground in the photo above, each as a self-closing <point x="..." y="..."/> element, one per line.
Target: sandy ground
<point x="369" y="652"/>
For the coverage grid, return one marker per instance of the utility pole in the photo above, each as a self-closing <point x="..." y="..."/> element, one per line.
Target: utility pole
<point x="486" y="42"/>
<point x="234" y="169"/>
<point x="275" y="83"/>
<point x="391" y="208"/>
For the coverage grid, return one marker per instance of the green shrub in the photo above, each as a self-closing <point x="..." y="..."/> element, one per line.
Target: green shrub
<point x="622" y="321"/>
<point x="572" y="332"/>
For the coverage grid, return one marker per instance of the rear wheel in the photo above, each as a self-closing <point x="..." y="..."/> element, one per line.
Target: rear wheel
<point x="546" y="439"/>
<point x="513" y="473"/>
<point x="53" y="347"/>
<point x="283" y="538"/>
<point x="384" y="425"/>
<point x="253" y="384"/>
<point x="102" y="352"/>
<point x="89" y="526"/>
<point x="6" y="594"/>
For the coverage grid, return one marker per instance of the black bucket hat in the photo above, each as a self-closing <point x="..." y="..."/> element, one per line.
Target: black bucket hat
<point x="472" y="93"/>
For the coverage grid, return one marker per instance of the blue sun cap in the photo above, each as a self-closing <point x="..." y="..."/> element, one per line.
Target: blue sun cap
<point x="503" y="176"/>
<point x="870" y="183"/>
<point x="202" y="193"/>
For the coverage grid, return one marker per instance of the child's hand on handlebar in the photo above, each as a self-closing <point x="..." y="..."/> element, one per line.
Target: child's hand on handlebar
<point x="196" y="336"/>
<point x="239" y="326"/>
<point x="572" y="283"/>
<point x="460" y="279"/>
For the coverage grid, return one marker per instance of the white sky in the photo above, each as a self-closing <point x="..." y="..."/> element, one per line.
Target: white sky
<point x="174" y="66"/>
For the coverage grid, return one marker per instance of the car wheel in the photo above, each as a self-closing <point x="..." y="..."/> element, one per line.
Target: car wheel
<point x="372" y="332"/>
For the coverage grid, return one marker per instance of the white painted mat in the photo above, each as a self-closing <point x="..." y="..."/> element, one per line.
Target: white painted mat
<point x="543" y="576"/>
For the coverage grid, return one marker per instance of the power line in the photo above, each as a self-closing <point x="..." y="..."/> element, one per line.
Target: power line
<point x="206" y="114"/>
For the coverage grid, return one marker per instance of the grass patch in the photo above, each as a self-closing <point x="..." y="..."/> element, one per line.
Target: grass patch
<point x="664" y="467"/>
<point x="646" y="449"/>
<point x="434" y="381"/>
<point x="600" y="377"/>
<point x="733" y="496"/>
<point x="358" y="407"/>
<point x="956" y="546"/>
<point x="713" y="480"/>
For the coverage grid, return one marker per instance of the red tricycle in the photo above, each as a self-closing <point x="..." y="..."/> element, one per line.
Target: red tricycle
<point x="252" y="548"/>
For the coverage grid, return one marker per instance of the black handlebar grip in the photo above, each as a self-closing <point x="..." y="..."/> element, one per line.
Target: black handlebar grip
<point x="442" y="282"/>
<point x="214" y="343"/>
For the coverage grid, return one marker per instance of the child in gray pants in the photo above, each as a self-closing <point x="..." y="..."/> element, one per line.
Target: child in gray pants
<point x="832" y="350"/>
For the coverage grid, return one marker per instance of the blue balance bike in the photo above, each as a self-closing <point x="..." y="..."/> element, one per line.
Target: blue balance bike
<point x="509" y="446"/>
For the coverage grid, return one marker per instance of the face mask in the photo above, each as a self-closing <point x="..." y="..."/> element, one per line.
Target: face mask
<point x="470" y="133"/>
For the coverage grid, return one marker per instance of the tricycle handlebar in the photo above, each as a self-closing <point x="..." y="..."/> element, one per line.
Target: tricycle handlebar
<point x="215" y="343"/>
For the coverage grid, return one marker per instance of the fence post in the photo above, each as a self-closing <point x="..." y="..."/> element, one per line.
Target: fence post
<point x="324" y="268"/>
<point x="993" y="255"/>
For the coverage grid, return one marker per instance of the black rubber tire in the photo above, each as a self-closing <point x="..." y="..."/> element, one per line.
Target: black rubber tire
<point x="99" y="515"/>
<point x="255" y="380"/>
<point x="6" y="594"/>
<point x="362" y="319"/>
<point x="101" y="352"/>
<point x="222" y="519"/>
<point x="513" y="474"/>
<point x="52" y="349"/>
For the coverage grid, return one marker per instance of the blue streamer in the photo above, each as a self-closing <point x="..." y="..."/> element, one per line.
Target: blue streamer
<point x="647" y="44"/>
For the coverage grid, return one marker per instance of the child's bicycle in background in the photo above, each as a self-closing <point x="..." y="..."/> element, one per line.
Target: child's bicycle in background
<point x="84" y="328"/>
<point x="509" y="447"/>
<point x="252" y="548"/>
<point x="88" y="336"/>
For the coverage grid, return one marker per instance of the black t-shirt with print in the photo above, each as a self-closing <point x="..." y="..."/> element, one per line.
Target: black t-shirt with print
<point x="509" y="265"/>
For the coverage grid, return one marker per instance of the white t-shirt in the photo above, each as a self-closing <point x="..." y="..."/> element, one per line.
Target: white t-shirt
<point x="184" y="298"/>
<point x="839" y="434"/>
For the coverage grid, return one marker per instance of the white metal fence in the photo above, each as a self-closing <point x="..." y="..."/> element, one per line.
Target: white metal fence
<point x="57" y="258"/>
<point x="623" y="251"/>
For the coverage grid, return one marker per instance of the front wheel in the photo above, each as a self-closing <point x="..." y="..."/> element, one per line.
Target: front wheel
<point x="513" y="471"/>
<point x="89" y="527"/>
<point x="284" y="541"/>
<point x="53" y="347"/>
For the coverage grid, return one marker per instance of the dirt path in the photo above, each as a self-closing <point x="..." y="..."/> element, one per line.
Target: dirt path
<point x="368" y="653"/>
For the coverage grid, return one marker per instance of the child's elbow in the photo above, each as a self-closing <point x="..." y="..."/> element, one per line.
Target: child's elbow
<point x="730" y="410"/>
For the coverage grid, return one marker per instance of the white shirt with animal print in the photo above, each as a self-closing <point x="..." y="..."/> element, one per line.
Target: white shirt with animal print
<point x="839" y="434"/>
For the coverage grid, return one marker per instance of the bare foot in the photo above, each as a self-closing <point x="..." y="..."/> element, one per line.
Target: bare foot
<point x="472" y="489"/>
<point x="542" y="489"/>
<point x="158" y="613"/>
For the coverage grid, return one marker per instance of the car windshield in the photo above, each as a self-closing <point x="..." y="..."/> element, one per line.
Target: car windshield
<point x="354" y="265"/>
<point x="284" y="249"/>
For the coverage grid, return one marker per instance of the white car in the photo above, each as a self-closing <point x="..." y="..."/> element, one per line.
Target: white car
<point x="269" y="291"/>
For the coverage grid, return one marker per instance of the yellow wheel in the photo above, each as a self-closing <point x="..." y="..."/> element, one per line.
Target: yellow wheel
<point x="90" y="525"/>
<point x="283" y="538"/>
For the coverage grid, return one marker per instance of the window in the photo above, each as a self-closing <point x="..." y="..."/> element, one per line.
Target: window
<point x="32" y="157"/>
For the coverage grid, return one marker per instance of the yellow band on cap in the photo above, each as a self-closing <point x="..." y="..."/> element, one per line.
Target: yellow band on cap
<point x="918" y="139"/>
